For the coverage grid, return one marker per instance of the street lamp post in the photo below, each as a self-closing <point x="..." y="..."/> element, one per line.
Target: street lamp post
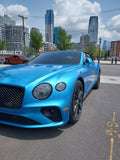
<point x="99" y="49"/>
<point x="23" y="31"/>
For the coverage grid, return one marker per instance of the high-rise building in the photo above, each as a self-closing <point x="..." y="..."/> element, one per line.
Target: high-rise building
<point x="12" y="34"/>
<point x="55" y="34"/>
<point x="14" y="37"/>
<point x="49" y="26"/>
<point x="1" y="33"/>
<point x="104" y="47"/>
<point x="84" y="41"/>
<point x="6" y="21"/>
<point x="49" y="47"/>
<point x="35" y="29"/>
<point x="115" y="49"/>
<point x="93" y="29"/>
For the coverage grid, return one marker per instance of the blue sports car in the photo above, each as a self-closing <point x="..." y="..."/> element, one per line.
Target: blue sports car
<point x="48" y="91"/>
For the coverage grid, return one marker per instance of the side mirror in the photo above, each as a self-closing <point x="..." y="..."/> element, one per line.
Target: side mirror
<point x="88" y="60"/>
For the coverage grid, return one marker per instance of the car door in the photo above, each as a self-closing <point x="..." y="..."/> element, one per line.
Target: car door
<point x="89" y="72"/>
<point x="91" y="67"/>
<point x="14" y="59"/>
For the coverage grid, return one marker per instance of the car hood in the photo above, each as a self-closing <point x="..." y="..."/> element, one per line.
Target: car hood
<point x="22" y="75"/>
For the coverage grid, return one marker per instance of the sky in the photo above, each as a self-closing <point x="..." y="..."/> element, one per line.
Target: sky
<point x="72" y="15"/>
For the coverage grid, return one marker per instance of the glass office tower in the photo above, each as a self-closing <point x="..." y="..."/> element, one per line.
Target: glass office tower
<point x="93" y="29"/>
<point x="55" y="34"/>
<point x="49" y="26"/>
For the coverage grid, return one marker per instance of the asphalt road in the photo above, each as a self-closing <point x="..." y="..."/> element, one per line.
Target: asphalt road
<point x="95" y="137"/>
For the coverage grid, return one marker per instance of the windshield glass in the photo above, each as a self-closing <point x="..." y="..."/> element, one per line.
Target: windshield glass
<point x="57" y="58"/>
<point x="22" y="56"/>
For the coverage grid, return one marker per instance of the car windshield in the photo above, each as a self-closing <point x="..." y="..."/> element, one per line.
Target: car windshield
<point x="22" y="56"/>
<point x="57" y="58"/>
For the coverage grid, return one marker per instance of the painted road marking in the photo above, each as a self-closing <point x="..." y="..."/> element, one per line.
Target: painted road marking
<point x="113" y="116"/>
<point x="110" y="79"/>
<point x="112" y="131"/>
<point x="111" y="149"/>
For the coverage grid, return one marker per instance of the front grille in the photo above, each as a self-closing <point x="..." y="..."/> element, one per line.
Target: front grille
<point x="17" y="119"/>
<point x="11" y="97"/>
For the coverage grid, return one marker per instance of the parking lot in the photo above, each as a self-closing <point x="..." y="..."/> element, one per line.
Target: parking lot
<point x="95" y="137"/>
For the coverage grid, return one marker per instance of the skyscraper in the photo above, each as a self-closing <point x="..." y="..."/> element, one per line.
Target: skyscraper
<point x="55" y="34"/>
<point x="93" y="29"/>
<point x="84" y="41"/>
<point x="12" y="34"/>
<point x="14" y="37"/>
<point x="6" y="21"/>
<point x="49" y="26"/>
<point x="35" y="29"/>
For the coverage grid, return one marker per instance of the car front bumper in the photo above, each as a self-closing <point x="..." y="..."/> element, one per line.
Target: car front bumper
<point x="34" y="117"/>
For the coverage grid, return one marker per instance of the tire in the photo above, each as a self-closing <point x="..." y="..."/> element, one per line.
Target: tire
<point x="97" y="85"/>
<point x="77" y="103"/>
<point x="7" y="62"/>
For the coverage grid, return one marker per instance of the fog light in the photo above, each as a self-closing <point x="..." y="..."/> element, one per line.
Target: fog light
<point x="60" y="86"/>
<point x="53" y="113"/>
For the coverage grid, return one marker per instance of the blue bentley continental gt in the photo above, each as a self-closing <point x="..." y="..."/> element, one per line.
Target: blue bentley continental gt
<point x="48" y="91"/>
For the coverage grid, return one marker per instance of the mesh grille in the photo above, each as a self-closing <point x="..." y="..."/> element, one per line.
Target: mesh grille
<point x="17" y="119"/>
<point x="11" y="97"/>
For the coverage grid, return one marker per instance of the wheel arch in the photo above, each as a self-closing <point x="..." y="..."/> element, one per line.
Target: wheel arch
<point x="81" y="79"/>
<point x="100" y="70"/>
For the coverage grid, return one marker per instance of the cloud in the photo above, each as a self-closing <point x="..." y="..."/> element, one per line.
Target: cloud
<point x="2" y="10"/>
<point x="114" y="23"/>
<point x="13" y="11"/>
<point x="111" y="30"/>
<point x="74" y="15"/>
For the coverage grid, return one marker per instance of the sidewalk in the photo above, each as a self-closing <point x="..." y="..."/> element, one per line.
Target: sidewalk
<point x="3" y="65"/>
<point x="101" y="62"/>
<point x="107" y="62"/>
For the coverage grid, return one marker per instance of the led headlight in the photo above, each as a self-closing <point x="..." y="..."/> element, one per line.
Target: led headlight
<point x="42" y="91"/>
<point x="60" y="86"/>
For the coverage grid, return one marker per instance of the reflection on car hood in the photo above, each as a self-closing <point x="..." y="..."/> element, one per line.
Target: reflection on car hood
<point x="25" y="74"/>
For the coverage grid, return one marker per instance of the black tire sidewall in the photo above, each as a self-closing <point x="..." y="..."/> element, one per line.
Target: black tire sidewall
<point x="72" y="118"/>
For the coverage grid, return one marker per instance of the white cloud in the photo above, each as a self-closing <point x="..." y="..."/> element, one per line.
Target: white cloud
<point x="13" y="11"/>
<point x="114" y="23"/>
<point x="110" y="31"/>
<point x="2" y="10"/>
<point x="73" y="15"/>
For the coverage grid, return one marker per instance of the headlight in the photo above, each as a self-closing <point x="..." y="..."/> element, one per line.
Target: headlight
<point x="60" y="86"/>
<point x="42" y="91"/>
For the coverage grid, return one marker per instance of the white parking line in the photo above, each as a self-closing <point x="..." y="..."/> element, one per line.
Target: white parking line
<point x="2" y="65"/>
<point x="110" y="79"/>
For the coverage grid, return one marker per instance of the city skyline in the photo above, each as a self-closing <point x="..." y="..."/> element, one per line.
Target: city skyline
<point x="70" y="15"/>
<point x="13" y="34"/>
<point x="93" y="29"/>
<point x="49" y="26"/>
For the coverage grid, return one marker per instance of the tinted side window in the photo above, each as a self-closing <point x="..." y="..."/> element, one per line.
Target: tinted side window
<point x="88" y="56"/>
<point x="14" y="56"/>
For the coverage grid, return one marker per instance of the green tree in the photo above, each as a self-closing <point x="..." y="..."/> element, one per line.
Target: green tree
<point x="96" y="53"/>
<point x="107" y="53"/>
<point x="90" y="50"/>
<point x="36" y="40"/>
<point x="63" y="41"/>
<point x="2" y="44"/>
